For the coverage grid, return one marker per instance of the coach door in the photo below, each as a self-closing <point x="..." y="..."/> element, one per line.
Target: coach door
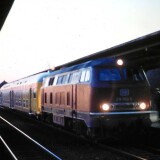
<point x="11" y="99"/>
<point x="30" y="100"/>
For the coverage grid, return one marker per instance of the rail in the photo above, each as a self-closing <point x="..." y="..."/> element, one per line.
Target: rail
<point x="10" y="151"/>
<point x="44" y="148"/>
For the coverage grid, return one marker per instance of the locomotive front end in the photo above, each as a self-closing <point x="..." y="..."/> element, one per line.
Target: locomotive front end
<point x="120" y="97"/>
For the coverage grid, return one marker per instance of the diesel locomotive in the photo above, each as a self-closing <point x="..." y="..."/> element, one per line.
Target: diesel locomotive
<point x="92" y="96"/>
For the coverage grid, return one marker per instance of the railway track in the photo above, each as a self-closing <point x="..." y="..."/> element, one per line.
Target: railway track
<point x="5" y="151"/>
<point x="136" y="153"/>
<point x="138" y="147"/>
<point x="60" y="142"/>
<point x="68" y="146"/>
<point x="19" y="145"/>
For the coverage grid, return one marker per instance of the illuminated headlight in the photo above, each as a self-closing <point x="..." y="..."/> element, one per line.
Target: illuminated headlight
<point x="105" y="107"/>
<point x="120" y="62"/>
<point x="142" y="106"/>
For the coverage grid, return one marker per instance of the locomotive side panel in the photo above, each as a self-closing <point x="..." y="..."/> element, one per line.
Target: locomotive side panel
<point x="84" y="97"/>
<point x="57" y="97"/>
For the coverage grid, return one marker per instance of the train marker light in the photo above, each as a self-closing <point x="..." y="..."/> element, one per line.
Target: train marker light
<point x="120" y="62"/>
<point x="105" y="107"/>
<point x="142" y="106"/>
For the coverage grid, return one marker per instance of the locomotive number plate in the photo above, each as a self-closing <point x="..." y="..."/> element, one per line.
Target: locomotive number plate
<point x="124" y="99"/>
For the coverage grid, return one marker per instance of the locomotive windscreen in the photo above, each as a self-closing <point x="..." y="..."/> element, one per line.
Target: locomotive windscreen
<point x="123" y="74"/>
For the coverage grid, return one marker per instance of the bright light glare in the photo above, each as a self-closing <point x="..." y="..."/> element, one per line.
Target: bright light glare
<point x="120" y="62"/>
<point x="105" y="107"/>
<point x="142" y="106"/>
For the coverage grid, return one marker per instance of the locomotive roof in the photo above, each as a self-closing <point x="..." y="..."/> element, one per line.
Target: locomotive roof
<point x="91" y="63"/>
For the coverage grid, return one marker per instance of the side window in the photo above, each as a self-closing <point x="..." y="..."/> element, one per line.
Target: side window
<point x="85" y="76"/>
<point x="51" y="80"/>
<point x="59" y="81"/>
<point x="34" y="94"/>
<point x="46" y="82"/>
<point x="75" y="77"/>
<point x="70" y="78"/>
<point x="64" y="80"/>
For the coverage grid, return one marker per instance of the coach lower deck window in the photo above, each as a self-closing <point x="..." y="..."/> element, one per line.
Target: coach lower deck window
<point x="34" y="94"/>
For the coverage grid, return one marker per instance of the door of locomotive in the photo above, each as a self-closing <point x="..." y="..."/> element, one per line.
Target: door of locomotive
<point x="74" y="101"/>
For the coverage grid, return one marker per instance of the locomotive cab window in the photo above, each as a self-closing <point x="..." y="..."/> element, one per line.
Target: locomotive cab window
<point x="109" y="74"/>
<point x="123" y="74"/>
<point x="133" y="74"/>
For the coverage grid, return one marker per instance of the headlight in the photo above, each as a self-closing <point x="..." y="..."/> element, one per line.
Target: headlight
<point x="105" y="107"/>
<point x="120" y="62"/>
<point x="142" y="106"/>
